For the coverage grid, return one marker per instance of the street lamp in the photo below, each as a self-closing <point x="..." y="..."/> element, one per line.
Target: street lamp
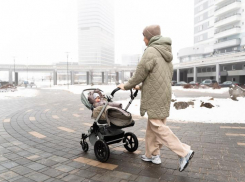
<point x="67" y="71"/>
<point x="14" y="72"/>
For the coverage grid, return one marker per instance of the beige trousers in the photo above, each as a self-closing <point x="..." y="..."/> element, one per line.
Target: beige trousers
<point x="157" y="134"/>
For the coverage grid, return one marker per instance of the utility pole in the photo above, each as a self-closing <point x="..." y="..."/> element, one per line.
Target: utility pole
<point x="14" y="72"/>
<point x="67" y="53"/>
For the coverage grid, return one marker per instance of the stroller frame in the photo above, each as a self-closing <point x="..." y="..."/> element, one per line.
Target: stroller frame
<point x="101" y="135"/>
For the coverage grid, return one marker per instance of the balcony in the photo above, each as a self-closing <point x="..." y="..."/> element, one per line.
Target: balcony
<point x="227" y="32"/>
<point x="227" y="20"/>
<point x="235" y="4"/>
<point x="217" y="2"/>
<point x="228" y="43"/>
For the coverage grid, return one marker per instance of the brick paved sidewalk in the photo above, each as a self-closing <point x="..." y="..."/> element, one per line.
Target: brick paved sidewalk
<point x="39" y="141"/>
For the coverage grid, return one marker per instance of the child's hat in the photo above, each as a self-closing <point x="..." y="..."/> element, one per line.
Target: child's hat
<point x="95" y="95"/>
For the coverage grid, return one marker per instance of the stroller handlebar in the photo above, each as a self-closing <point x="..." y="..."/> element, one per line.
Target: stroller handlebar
<point x="114" y="91"/>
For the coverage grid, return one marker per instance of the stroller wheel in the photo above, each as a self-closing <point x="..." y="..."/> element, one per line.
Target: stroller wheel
<point x="84" y="146"/>
<point x="101" y="150"/>
<point x="131" y="142"/>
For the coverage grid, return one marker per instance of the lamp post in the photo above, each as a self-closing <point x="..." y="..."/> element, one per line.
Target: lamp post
<point x="67" y="56"/>
<point x="14" y="72"/>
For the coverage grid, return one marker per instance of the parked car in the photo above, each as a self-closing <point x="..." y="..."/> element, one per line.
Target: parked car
<point x="32" y="84"/>
<point x="229" y="83"/>
<point x="194" y="83"/>
<point x="173" y="82"/>
<point x="181" y="83"/>
<point x="208" y="82"/>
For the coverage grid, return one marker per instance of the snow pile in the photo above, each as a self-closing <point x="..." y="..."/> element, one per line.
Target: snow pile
<point x="224" y="110"/>
<point x="20" y="92"/>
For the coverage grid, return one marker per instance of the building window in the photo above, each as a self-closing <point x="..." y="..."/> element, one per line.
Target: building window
<point x="224" y="68"/>
<point x="233" y="79"/>
<point x="201" y="18"/>
<point x="244" y="66"/>
<point x="201" y="38"/>
<point x="201" y="8"/>
<point x="200" y="27"/>
<point x="233" y="67"/>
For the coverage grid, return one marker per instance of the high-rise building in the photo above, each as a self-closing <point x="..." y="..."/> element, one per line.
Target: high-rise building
<point x="96" y="32"/>
<point x="218" y="28"/>
<point x="219" y="43"/>
<point x="130" y="59"/>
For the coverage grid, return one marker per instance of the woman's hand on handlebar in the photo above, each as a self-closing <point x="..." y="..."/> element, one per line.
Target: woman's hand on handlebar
<point x="137" y="87"/>
<point x="121" y="86"/>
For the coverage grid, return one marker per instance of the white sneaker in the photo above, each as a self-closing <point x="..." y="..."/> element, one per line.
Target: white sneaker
<point x="184" y="161"/>
<point x="144" y="158"/>
<point x="156" y="159"/>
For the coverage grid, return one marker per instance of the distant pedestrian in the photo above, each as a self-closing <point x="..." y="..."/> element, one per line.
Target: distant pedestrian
<point x="154" y="72"/>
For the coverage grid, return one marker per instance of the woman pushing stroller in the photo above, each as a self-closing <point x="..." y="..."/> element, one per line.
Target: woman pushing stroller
<point x="154" y="72"/>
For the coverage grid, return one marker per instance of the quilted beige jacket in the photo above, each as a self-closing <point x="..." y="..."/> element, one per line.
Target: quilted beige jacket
<point x="154" y="71"/>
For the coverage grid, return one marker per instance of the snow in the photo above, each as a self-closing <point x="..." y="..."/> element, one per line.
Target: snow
<point x="20" y="92"/>
<point x="225" y="110"/>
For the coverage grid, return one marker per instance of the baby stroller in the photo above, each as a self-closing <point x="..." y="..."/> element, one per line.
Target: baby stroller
<point x="103" y="133"/>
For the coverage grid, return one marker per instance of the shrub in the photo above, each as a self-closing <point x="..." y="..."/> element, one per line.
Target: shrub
<point x="187" y="86"/>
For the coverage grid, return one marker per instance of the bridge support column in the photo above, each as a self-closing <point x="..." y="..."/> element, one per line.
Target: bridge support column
<point x="106" y="77"/>
<point x="55" y="77"/>
<point x="10" y="76"/>
<point x="72" y="77"/>
<point x="89" y="77"/>
<point x="194" y="73"/>
<point x="178" y="75"/>
<point x="103" y="77"/>
<point x="131" y="73"/>
<point x="122" y="76"/>
<point x="117" y="77"/>
<point x="217" y="72"/>
<point x="16" y="79"/>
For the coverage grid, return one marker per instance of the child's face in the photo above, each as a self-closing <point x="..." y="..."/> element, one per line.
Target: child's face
<point x="97" y="99"/>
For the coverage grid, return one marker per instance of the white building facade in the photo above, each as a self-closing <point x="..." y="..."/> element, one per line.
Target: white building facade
<point x="96" y="32"/>
<point x="219" y="31"/>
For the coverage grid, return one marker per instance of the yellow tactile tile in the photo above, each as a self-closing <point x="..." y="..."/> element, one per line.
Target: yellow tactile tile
<point x="7" y="120"/>
<point x="29" y="110"/>
<point x="96" y="163"/>
<point x="141" y="139"/>
<point x="55" y="116"/>
<point x="137" y="152"/>
<point x="33" y="157"/>
<point x="83" y="160"/>
<point x="32" y="118"/>
<point x="36" y="134"/>
<point x="93" y="163"/>
<point x="174" y="127"/>
<point x="65" y="109"/>
<point x="107" y="166"/>
<point x="87" y="124"/>
<point x="81" y="109"/>
<point x="242" y="144"/>
<point x="231" y="127"/>
<point x="76" y="115"/>
<point x="119" y="149"/>
<point x="234" y="134"/>
<point x="66" y="129"/>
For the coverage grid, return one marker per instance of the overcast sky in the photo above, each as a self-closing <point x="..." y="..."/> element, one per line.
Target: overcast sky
<point x="41" y="31"/>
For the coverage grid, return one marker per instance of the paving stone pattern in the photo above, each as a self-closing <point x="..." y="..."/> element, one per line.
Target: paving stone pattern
<point x="39" y="141"/>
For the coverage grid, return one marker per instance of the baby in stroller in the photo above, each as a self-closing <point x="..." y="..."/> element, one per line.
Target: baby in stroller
<point x="109" y="131"/>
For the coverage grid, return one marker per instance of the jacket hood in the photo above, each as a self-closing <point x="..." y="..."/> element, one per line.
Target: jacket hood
<point x="163" y="45"/>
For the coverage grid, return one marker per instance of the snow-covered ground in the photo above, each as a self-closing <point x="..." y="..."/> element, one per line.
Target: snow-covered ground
<point x="224" y="110"/>
<point x="20" y="92"/>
